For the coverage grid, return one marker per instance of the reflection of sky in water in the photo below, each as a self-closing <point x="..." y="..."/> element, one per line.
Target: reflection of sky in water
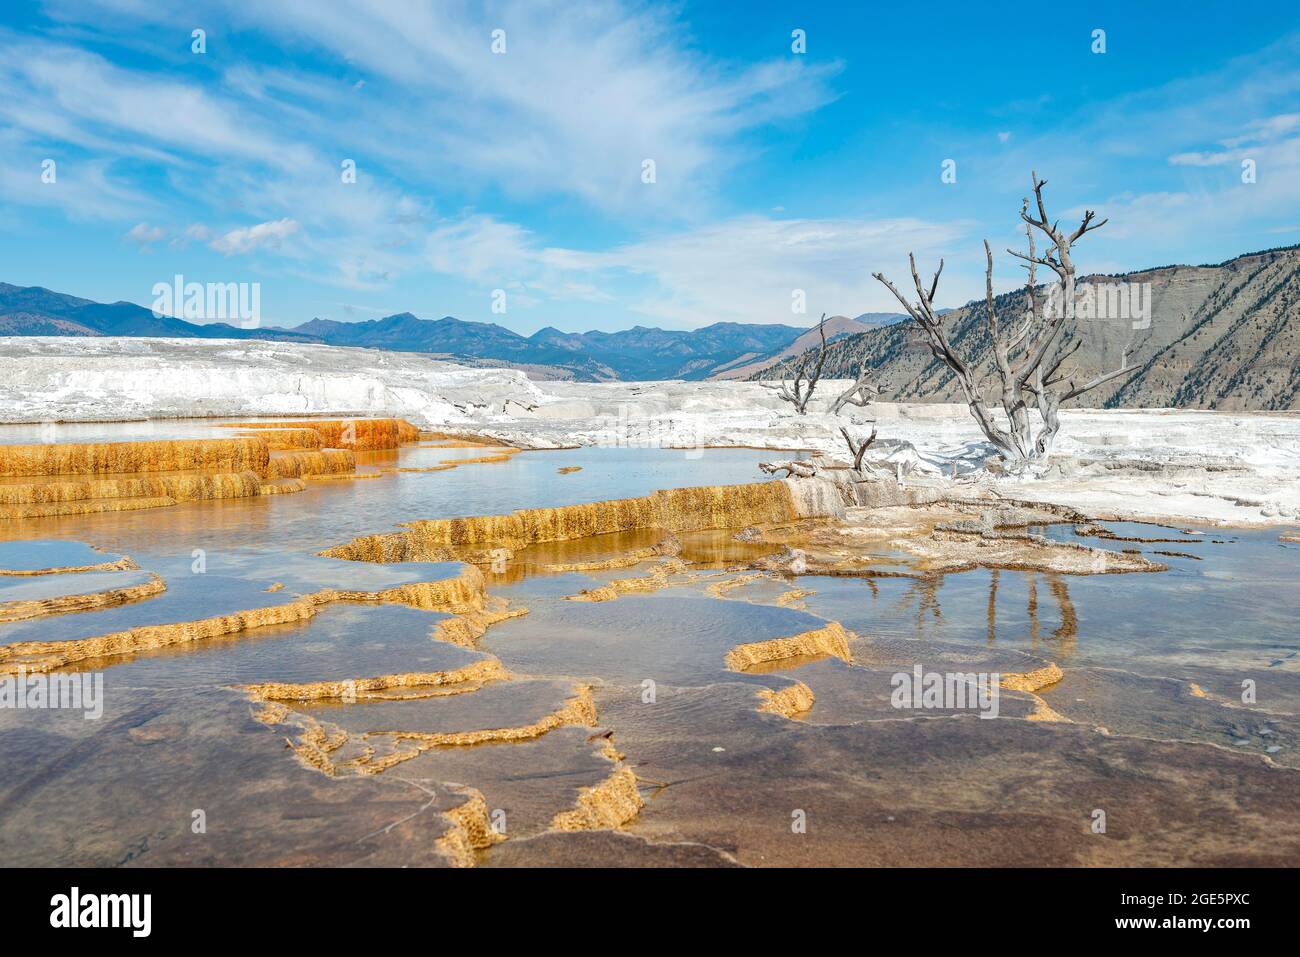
<point x="1236" y="608"/>
<point x="246" y="545"/>
<point x="42" y="587"/>
<point x="233" y="581"/>
<point x="30" y="556"/>
<point x="343" y="641"/>
<point x="96" y="790"/>
<point x="332" y="512"/>
<point x="675" y="637"/>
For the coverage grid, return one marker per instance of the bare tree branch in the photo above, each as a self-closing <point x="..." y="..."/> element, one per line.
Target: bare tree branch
<point x="1101" y="379"/>
<point x="798" y="392"/>
<point x="1020" y="356"/>
<point x="923" y="313"/>
<point x="857" y="449"/>
<point x="862" y="392"/>
<point x="791" y="468"/>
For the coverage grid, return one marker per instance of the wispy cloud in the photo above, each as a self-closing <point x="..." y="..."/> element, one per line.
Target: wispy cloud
<point x="144" y="235"/>
<point x="749" y="269"/>
<point x="522" y="170"/>
<point x="268" y="235"/>
<point x="572" y="107"/>
<point x="87" y="101"/>
<point x="1163" y="163"/>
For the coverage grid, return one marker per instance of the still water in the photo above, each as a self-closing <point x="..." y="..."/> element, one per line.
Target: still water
<point x="1224" y="612"/>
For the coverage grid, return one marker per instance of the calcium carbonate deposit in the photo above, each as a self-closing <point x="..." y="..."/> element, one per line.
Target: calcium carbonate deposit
<point x="1237" y="468"/>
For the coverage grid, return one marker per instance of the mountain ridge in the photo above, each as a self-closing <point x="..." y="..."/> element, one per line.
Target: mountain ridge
<point x="642" y="352"/>
<point x="837" y="327"/>
<point x="35" y="307"/>
<point x="1222" y="336"/>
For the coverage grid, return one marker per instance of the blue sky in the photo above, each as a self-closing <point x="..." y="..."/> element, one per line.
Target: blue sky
<point x="522" y="171"/>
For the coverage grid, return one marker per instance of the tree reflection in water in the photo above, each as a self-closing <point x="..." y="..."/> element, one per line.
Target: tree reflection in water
<point x="922" y="595"/>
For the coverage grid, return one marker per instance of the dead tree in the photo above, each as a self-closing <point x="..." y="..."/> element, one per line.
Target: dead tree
<point x="797" y="393"/>
<point x="861" y="393"/>
<point x="1020" y="354"/>
<point x="790" y="467"/>
<point x="857" y="449"/>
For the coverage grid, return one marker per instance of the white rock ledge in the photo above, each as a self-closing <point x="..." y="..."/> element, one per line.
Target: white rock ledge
<point x="1181" y="466"/>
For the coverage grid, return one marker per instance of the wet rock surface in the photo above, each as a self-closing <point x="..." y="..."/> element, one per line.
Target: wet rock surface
<point x="124" y="790"/>
<point x="703" y="676"/>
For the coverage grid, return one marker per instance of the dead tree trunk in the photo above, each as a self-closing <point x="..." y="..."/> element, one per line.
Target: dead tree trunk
<point x="858" y="449"/>
<point x="861" y="393"/>
<point x="791" y="468"/>
<point x="797" y="393"/>
<point x="1021" y="354"/>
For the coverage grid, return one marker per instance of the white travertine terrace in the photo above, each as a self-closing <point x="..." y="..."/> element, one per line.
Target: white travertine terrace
<point x="1235" y="468"/>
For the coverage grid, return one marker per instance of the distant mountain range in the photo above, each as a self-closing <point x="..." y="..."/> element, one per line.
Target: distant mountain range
<point x="1223" y="336"/>
<point x="638" y="353"/>
<point x="34" y="311"/>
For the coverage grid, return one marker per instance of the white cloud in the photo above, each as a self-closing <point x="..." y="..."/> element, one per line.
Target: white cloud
<point x="193" y="233"/>
<point x="413" y="93"/>
<point x="572" y="109"/>
<point x="742" y="270"/>
<point x="1215" y="202"/>
<point x="88" y="101"/>
<point x="144" y="235"/>
<point x="747" y="269"/>
<point x="81" y="190"/>
<point x="1266" y="130"/>
<point x="482" y="249"/>
<point x="1201" y="159"/>
<point x="251" y="238"/>
<point x="1164" y="163"/>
